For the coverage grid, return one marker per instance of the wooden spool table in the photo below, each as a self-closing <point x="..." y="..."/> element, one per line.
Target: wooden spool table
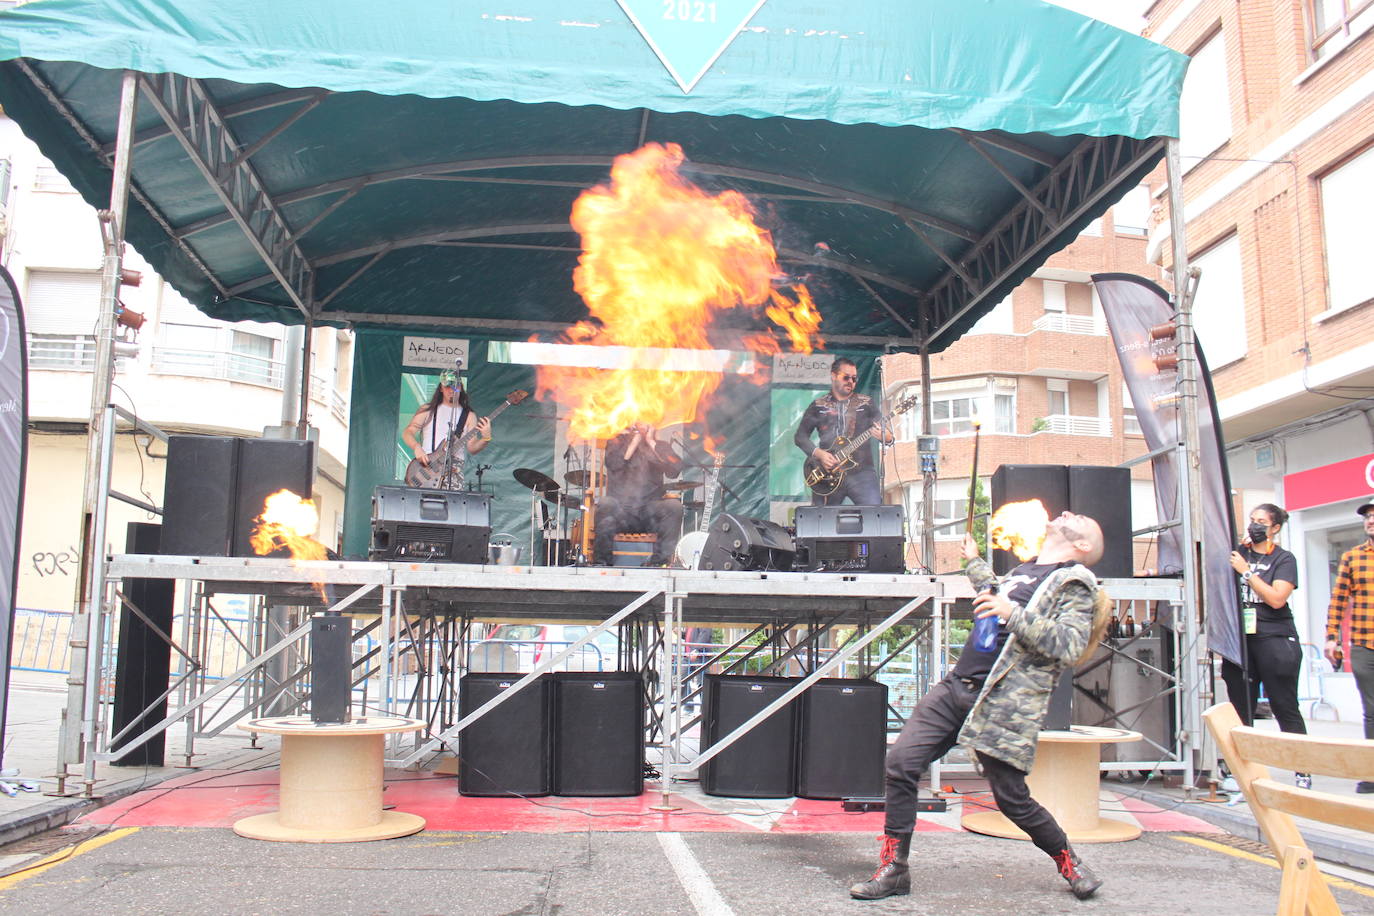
<point x="1065" y="780"/>
<point x="331" y="782"/>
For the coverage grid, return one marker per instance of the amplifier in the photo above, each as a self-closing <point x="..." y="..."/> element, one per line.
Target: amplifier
<point x="849" y="539"/>
<point x="449" y="526"/>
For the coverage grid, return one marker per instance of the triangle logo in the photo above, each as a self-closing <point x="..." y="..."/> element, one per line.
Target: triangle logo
<point x="688" y="35"/>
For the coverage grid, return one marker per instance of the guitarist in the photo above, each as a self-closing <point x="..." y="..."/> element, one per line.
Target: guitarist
<point x="636" y="464"/>
<point x="842" y="413"/>
<point x="448" y="414"/>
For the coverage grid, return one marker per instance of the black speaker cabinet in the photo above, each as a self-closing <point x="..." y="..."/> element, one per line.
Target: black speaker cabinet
<point x="143" y="658"/>
<point x="842" y="739"/>
<point x="509" y="750"/>
<point x="598" y="733"/>
<point x="198" y="496"/>
<point x="266" y="466"/>
<point x="409" y="523"/>
<point x="762" y="764"/>
<point x="735" y="542"/>
<point x="331" y="668"/>
<point x="849" y="539"/>
<point x="1060" y="714"/>
<point x="1104" y="494"/>
<point x="1014" y="483"/>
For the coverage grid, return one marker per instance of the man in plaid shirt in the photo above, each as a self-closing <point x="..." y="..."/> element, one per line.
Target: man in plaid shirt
<point x="1353" y="594"/>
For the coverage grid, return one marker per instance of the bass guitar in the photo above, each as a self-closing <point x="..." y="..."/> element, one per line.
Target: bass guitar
<point x="690" y="545"/>
<point x="449" y="459"/>
<point x="823" y="482"/>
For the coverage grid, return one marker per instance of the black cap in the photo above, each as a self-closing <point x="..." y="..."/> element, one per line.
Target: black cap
<point x="1365" y="508"/>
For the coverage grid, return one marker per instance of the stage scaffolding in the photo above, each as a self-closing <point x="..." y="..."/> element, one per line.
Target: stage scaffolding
<point x="414" y="631"/>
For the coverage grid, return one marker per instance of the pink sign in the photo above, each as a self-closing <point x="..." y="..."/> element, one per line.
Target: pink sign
<point x="1331" y="483"/>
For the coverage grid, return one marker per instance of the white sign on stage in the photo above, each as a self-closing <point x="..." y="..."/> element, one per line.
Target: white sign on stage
<point x="434" y="352"/>
<point x="802" y="368"/>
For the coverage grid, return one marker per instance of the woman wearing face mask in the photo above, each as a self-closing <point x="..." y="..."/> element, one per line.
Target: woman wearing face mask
<point x="1268" y="575"/>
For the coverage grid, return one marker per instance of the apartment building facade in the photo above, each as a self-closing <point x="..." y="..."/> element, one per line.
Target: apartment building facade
<point x="1040" y="374"/>
<point x="180" y="371"/>
<point x="1278" y="145"/>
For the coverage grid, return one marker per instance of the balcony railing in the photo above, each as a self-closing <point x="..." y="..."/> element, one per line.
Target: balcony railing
<point x="1070" y="324"/>
<point x="53" y="351"/>
<point x="1068" y="425"/>
<point x="324" y="392"/>
<point x="233" y="367"/>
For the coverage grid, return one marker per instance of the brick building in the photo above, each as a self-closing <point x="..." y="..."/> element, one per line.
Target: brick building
<point x="1040" y="373"/>
<point x="1278" y="144"/>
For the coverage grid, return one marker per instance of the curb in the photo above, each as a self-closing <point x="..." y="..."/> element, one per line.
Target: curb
<point x="1328" y="845"/>
<point x="62" y="811"/>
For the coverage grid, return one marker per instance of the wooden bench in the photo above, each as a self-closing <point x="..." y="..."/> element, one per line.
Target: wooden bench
<point x="1249" y="752"/>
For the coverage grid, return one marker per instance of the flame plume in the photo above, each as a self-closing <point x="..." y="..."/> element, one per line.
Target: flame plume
<point x="1019" y="527"/>
<point x="286" y="522"/>
<point x="661" y="260"/>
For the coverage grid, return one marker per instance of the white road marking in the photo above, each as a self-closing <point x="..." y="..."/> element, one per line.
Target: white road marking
<point x="693" y="878"/>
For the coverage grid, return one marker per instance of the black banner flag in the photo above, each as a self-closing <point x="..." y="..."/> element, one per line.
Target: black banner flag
<point x="14" y="414"/>
<point x="1132" y="306"/>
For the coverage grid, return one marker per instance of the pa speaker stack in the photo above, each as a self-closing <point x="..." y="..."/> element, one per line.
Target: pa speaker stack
<point x="570" y="733"/>
<point x="735" y="542"/>
<point x="216" y="486"/>
<point x="1101" y="493"/>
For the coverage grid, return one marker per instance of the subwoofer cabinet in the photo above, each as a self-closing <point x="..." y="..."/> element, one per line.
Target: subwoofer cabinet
<point x="509" y="751"/>
<point x="842" y="739"/>
<point x="598" y="733"/>
<point x="409" y="523"/>
<point x="762" y="763"/>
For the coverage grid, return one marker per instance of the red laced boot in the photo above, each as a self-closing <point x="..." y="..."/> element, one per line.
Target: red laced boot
<point x="892" y="877"/>
<point x="1081" y="880"/>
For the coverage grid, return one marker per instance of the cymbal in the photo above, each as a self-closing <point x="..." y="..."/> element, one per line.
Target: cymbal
<point x="580" y="478"/>
<point x="681" y="484"/>
<point x="564" y="500"/>
<point x="535" y="480"/>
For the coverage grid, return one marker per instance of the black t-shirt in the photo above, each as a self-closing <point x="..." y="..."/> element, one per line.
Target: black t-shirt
<point x="1018" y="585"/>
<point x="1280" y="565"/>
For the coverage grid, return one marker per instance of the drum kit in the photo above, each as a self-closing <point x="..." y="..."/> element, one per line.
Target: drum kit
<point x="568" y="532"/>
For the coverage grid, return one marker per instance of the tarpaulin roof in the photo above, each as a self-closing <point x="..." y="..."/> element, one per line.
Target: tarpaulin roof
<point x="413" y="163"/>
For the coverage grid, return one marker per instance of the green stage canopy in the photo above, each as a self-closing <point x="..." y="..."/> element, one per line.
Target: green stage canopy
<point x="412" y="164"/>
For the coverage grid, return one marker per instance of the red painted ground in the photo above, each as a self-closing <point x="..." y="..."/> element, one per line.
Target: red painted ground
<point x="218" y="799"/>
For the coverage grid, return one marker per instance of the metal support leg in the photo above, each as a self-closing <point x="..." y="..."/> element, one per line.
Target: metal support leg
<point x="671" y="677"/>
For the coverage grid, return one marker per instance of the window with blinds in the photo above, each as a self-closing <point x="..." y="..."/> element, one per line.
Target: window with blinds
<point x="61" y="308"/>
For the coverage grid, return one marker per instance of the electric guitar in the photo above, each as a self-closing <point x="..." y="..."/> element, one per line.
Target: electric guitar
<point x="450" y="457"/>
<point x="690" y="545"/>
<point x="823" y="482"/>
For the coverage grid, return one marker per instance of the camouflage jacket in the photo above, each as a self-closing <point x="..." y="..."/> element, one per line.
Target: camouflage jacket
<point x="1047" y="635"/>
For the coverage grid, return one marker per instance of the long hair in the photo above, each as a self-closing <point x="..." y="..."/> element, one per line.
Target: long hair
<point x="1103" y="608"/>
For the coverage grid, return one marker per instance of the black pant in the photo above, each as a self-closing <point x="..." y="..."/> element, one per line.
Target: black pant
<point x="1276" y="662"/>
<point x="1362" y="666"/>
<point x="928" y="734"/>
<point x="1008" y="786"/>
<point x="662" y="517"/>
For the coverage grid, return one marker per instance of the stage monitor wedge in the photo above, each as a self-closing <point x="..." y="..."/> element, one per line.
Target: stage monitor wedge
<point x="736" y="542"/>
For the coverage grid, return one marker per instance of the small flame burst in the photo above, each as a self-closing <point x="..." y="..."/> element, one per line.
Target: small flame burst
<point x="287" y="521"/>
<point x="661" y="259"/>
<point x="1020" y="527"/>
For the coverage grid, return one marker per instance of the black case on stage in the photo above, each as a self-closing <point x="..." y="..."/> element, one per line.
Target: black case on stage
<point x="762" y="763"/>
<point x="735" y="542"/>
<point x="409" y="523"/>
<point x="849" y="539"/>
<point x="842" y="739"/>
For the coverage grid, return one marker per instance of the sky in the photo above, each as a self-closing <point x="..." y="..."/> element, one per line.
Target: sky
<point x="1124" y="14"/>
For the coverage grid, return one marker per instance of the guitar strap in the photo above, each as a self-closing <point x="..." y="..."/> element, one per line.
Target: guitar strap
<point x="434" y="439"/>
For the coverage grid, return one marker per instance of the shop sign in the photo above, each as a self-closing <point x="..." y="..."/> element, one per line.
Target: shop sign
<point x="1331" y="483"/>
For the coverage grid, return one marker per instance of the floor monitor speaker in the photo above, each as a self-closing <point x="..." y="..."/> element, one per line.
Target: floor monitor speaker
<point x="761" y="764"/>
<point x="509" y="750"/>
<point x="1014" y="483"/>
<point x="1104" y="494"/>
<point x="849" y="539"/>
<point x="598" y="733"/>
<point x="198" y="496"/>
<point x="735" y="542"/>
<point x="448" y="526"/>
<point x="266" y="466"/>
<point x="842" y="739"/>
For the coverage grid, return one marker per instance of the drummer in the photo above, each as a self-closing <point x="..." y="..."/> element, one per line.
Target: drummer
<point x="636" y="465"/>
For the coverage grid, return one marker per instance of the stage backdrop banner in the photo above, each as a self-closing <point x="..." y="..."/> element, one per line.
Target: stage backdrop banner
<point x="14" y="416"/>
<point x="1132" y="306"/>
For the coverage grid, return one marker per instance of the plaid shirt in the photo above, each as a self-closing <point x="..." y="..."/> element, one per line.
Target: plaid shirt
<point x="1354" y="591"/>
